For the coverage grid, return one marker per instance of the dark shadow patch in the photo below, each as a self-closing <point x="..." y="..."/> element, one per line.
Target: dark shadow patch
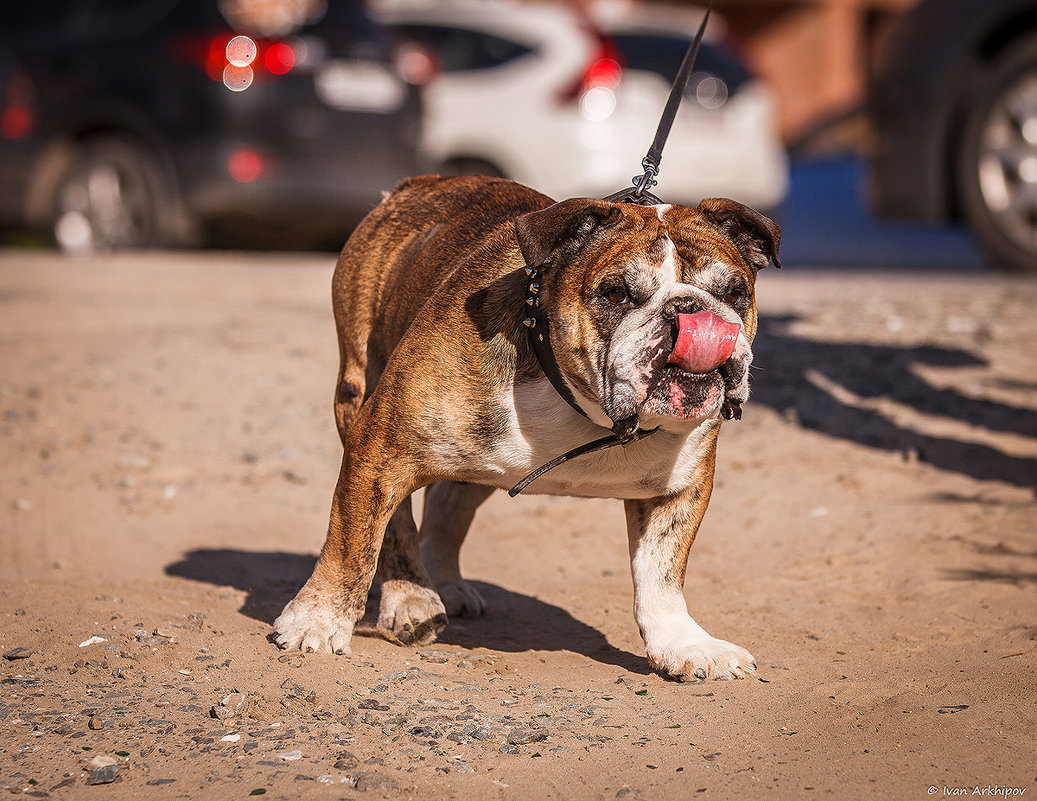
<point x="271" y="578"/>
<point x="1015" y="577"/>
<point x="513" y="622"/>
<point x="976" y="499"/>
<point x="783" y="365"/>
<point x="997" y="549"/>
<point x="516" y="622"/>
<point x="991" y="571"/>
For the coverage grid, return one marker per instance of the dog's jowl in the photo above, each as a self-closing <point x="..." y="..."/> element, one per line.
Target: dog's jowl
<point x="650" y="314"/>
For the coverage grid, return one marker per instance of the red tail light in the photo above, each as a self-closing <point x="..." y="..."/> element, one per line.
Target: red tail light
<point x="604" y="70"/>
<point x="16" y="115"/>
<point x="246" y="165"/>
<point x="279" y="58"/>
<point x="238" y="61"/>
<point x="16" y="122"/>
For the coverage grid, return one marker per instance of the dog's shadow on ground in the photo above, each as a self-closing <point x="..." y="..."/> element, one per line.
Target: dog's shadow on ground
<point x="513" y="621"/>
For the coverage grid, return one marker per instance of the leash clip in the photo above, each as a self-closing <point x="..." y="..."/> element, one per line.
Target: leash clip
<point x="626" y="431"/>
<point x="639" y="194"/>
<point x="642" y="183"/>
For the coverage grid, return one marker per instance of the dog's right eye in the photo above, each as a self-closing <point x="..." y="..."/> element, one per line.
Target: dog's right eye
<point x="616" y="295"/>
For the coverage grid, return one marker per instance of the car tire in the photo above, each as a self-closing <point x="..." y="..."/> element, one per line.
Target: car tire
<point x="108" y="199"/>
<point x="996" y="159"/>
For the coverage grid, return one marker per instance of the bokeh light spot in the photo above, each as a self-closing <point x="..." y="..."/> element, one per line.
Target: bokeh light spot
<point x="279" y="58"/>
<point x="237" y="79"/>
<point x="245" y="166"/>
<point x="241" y="51"/>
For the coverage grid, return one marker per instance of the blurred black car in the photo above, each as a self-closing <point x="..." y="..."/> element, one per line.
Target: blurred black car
<point x="954" y="106"/>
<point x="140" y="123"/>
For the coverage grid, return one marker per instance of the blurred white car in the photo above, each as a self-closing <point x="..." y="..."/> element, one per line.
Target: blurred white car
<point x="538" y="93"/>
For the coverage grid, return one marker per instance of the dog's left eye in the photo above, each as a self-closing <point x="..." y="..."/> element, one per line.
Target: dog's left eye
<point x="616" y="295"/>
<point x="734" y="296"/>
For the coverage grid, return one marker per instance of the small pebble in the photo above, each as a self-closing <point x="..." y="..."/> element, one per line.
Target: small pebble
<point x="328" y="778"/>
<point x="17" y="653"/>
<point x="103" y="775"/>
<point x="375" y="781"/>
<point x="231" y="705"/>
<point x="523" y="736"/>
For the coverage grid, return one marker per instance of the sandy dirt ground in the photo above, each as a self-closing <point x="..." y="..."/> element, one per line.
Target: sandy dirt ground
<point x="168" y="457"/>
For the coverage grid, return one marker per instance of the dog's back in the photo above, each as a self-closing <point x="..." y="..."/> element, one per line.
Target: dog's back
<point x="395" y="260"/>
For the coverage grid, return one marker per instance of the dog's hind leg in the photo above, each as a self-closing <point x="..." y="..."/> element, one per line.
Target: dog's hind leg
<point x="449" y="509"/>
<point x="410" y="609"/>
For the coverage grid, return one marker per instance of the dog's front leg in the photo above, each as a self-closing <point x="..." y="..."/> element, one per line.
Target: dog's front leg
<point x="660" y="532"/>
<point x="321" y="617"/>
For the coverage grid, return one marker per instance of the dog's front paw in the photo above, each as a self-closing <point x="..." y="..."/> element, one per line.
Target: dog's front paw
<point x="689" y="654"/>
<point x="310" y="625"/>
<point x="461" y="599"/>
<point x="413" y="614"/>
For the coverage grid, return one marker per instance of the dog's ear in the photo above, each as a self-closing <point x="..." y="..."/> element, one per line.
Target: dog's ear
<point x="755" y="237"/>
<point x="564" y="226"/>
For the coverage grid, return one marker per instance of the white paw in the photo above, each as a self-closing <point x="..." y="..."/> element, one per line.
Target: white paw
<point x="689" y="654"/>
<point x="313" y="626"/>
<point x="414" y="614"/>
<point x="461" y="599"/>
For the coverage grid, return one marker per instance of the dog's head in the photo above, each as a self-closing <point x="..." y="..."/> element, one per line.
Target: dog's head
<point x="651" y="309"/>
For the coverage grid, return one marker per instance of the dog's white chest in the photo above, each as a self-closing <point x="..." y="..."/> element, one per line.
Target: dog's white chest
<point x="541" y="428"/>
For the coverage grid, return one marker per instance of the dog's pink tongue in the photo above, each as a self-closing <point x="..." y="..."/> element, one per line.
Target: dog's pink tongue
<point x="704" y="342"/>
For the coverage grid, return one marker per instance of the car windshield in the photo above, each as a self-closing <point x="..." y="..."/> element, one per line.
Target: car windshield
<point x="460" y="49"/>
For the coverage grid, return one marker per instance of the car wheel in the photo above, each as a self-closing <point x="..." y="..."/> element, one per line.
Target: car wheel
<point x="108" y="200"/>
<point x="468" y="165"/>
<point x="997" y="159"/>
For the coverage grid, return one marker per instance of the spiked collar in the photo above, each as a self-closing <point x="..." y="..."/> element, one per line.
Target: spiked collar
<point x="540" y="338"/>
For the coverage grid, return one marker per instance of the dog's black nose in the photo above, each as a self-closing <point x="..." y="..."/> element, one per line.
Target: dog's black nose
<point x="675" y="306"/>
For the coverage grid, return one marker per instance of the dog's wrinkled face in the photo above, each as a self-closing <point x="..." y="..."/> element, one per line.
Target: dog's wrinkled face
<point x="663" y="298"/>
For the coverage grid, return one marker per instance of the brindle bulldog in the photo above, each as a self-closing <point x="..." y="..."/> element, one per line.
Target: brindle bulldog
<point x="646" y="315"/>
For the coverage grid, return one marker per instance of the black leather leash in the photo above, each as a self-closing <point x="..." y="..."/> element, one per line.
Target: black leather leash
<point x="626" y="431"/>
<point x="639" y="193"/>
